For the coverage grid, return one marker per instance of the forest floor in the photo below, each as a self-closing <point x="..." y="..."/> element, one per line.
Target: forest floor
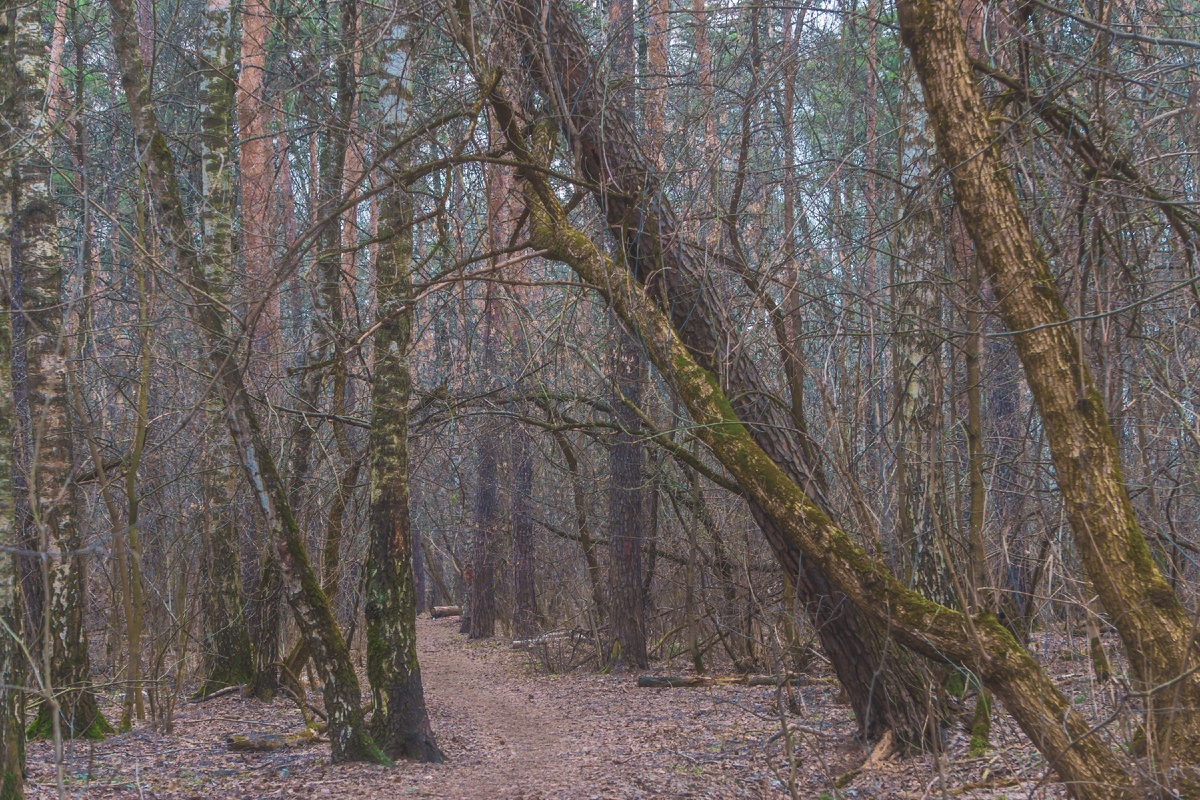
<point x="509" y="731"/>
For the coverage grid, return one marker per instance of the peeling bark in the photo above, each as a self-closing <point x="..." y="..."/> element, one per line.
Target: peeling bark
<point x="36" y="257"/>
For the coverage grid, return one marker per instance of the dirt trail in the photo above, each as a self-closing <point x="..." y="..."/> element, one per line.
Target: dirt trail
<point x="507" y="731"/>
<point x="511" y="733"/>
<point x="515" y="740"/>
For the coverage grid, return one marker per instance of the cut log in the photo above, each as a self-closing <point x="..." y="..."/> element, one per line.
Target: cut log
<point x="686" y="682"/>
<point x="446" y="611"/>
<point x="270" y="742"/>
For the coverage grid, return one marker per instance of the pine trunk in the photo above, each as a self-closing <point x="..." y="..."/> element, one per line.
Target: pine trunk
<point x="627" y="511"/>
<point x="525" y="613"/>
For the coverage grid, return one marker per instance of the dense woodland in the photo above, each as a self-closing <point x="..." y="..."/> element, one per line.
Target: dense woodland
<point x="712" y="337"/>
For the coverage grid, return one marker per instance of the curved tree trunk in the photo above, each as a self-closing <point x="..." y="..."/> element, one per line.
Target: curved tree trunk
<point x="1157" y="631"/>
<point x="638" y="213"/>
<point x="979" y="642"/>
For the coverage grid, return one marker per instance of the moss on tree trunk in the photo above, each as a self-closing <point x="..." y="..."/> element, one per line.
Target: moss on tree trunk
<point x="1158" y="632"/>
<point x="349" y="738"/>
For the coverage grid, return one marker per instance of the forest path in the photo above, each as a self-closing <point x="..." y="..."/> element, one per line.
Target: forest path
<point x="508" y="731"/>
<point x="517" y="742"/>
<point x="511" y="732"/>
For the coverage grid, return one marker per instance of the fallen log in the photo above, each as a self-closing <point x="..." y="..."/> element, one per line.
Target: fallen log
<point x="689" y="682"/>
<point x="270" y="742"/>
<point x="445" y="611"/>
<point x="200" y="698"/>
<point x="549" y="637"/>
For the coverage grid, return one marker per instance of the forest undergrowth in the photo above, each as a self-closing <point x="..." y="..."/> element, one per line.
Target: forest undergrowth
<point x="510" y="730"/>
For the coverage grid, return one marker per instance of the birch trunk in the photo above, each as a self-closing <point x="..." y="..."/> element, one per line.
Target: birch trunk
<point x="348" y="735"/>
<point x="399" y="717"/>
<point x="37" y="260"/>
<point x="227" y="655"/>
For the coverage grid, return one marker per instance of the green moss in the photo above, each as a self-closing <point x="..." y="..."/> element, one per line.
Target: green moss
<point x="13" y="788"/>
<point x="981" y="724"/>
<point x="99" y="728"/>
<point x="43" y="727"/>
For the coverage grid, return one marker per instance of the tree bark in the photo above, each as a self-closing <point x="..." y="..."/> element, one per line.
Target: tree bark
<point x="920" y="483"/>
<point x="627" y="511"/>
<point x="349" y="738"/>
<point x="487" y="505"/>
<point x="37" y="259"/>
<point x="12" y="659"/>
<point x="978" y="641"/>
<point x="227" y="656"/>
<point x="256" y="161"/>
<point x="627" y="515"/>
<point x="679" y="281"/>
<point x="525" y="612"/>
<point x="399" y="718"/>
<point x="400" y="721"/>
<point x="1154" y="626"/>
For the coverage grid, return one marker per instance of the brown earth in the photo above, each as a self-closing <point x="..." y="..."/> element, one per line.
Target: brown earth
<point x="510" y="732"/>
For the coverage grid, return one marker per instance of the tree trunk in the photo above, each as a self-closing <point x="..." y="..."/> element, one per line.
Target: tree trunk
<point x="256" y="161"/>
<point x="12" y="659"/>
<point x="627" y="457"/>
<point x="399" y="719"/>
<point x="227" y="656"/>
<point x="917" y="364"/>
<point x="36" y="258"/>
<point x="487" y="505"/>
<point x="627" y="511"/>
<point x="349" y="738"/>
<point x="525" y="613"/>
<point x="256" y="182"/>
<point x="1154" y="626"/>
<point x="979" y="642"/>
<point x="679" y="281"/>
